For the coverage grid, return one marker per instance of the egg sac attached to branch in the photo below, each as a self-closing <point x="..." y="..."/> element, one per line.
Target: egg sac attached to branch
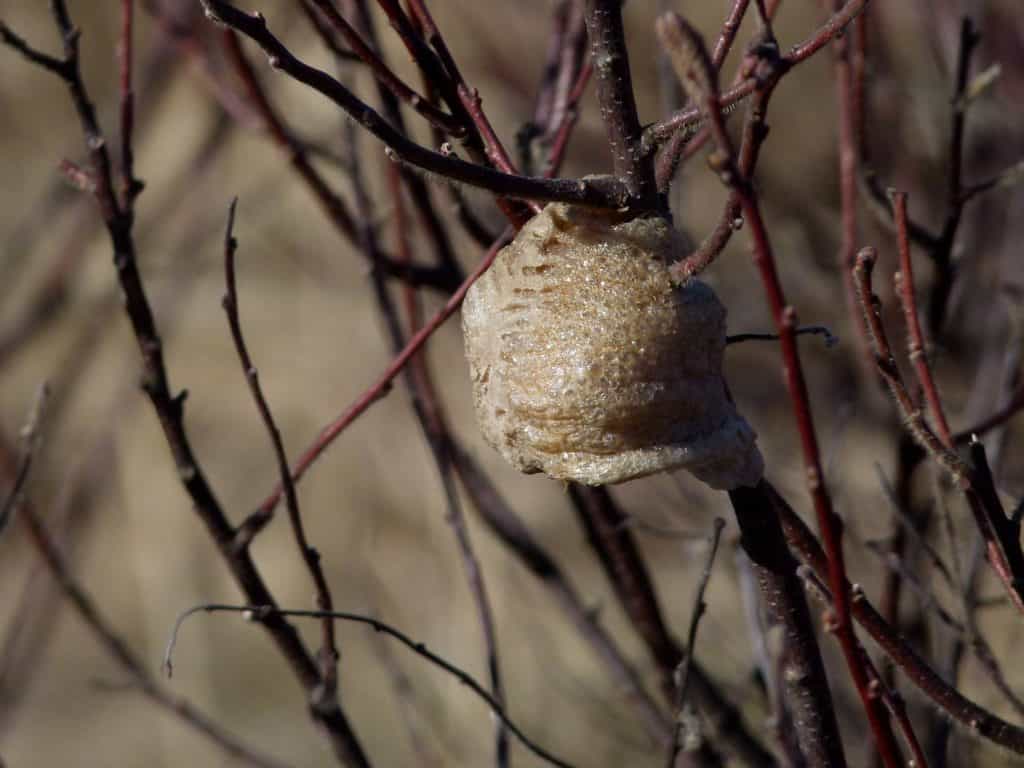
<point x="589" y="365"/>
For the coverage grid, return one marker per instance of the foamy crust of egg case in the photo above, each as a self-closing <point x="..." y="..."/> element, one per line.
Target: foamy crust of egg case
<point x="588" y="364"/>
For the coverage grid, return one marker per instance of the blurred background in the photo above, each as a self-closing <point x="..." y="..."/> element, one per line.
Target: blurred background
<point x="106" y="487"/>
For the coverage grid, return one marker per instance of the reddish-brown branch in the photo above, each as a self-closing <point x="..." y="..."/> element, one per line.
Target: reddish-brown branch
<point x="1000" y="533"/>
<point x="918" y="671"/>
<point x="849" y="95"/>
<point x="657" y="134"/>
<point x="893" y="701"/>
<point x="382" y="385"/>
<point x="904" y="281"/>
<point x="700" y="79"/>
<point x="570" y="116"/>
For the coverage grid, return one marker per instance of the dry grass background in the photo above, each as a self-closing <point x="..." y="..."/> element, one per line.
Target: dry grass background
<point x="373" y="504"/>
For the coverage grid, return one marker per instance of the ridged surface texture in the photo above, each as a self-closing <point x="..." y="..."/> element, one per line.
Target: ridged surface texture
<point x="588" y="364"/>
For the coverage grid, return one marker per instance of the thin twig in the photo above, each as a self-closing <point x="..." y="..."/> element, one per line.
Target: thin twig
<point x="658" y="133"/>
<point x="804" y="330"/>
<point x="108" y="638"/>
<point x="262" y="612"/>
<point x="328" y="652"/>
<point x="699" y="608"/>
<point x="30" y="433"/>
<point x="605" y="527"/>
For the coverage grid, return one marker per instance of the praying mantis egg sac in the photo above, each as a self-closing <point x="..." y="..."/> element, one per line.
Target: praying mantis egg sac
<point x="589" y="364"/>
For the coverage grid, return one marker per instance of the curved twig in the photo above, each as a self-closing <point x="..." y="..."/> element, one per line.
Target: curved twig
<point x="263" y="612"/>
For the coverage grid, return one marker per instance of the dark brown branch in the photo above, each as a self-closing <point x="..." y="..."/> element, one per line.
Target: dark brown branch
<point x="942" y="254"/>
<point x="170" y="408"/>
<point x="599" y="193"/>
<point x="618" y="105"/>
<point x="384" y="75"/>
<point x="804" y="330"/>
<point x="803" y="675"/>
<point x="336" y="209"/>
